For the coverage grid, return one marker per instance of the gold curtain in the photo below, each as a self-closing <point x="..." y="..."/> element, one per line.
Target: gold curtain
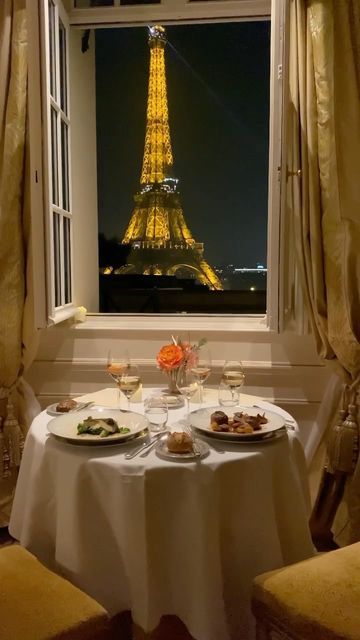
<point x="17" y="335"/>
<point x="325" y="201"/>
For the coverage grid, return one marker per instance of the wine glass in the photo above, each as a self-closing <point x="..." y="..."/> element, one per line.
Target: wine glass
<point x="187" y="384"/>
<point x="202" y="369"/>
<point x="129" y="382"/>
<point x="232" y="378"/>
<point x="117" y="363"/>
<point x="156" y="411"/>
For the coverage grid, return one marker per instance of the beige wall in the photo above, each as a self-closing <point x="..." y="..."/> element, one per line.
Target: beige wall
<point x="84" y="172"/>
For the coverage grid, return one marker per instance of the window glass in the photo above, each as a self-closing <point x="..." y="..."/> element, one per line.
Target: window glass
<point x="67" y="260"/>
<point x="62" y="58"/>
<point x="182" y="143"/>
<point x="52" y="58"/>
<point x="57" y="258"/>
<point x="65" y="166"/>
<point x="54" y="157"/>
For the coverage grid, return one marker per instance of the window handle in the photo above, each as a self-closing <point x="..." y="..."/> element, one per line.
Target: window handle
<point x="290" y="174"/>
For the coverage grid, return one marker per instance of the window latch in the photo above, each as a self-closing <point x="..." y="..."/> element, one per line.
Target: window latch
<point x="291" y="174"/>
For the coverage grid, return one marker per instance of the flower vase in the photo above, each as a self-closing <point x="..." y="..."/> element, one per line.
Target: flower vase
<point x="172" y="377"/>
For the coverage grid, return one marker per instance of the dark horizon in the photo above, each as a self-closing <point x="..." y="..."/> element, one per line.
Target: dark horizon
<point x="219" y="131"/>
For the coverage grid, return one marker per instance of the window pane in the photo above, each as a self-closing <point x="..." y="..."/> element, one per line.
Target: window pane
<point x="63" y="78"/>
<point x="198" y="245"/>
<point x="57" y="261"/>
<point x="52" y="58"/>
<point x="54" y="158"/>
<point x="65" y="166"/>
<point x="67" y="259"/>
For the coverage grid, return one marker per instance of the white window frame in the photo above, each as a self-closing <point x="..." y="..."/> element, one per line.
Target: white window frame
<point x="177" y="12"/>
<point x="64" y="309"/>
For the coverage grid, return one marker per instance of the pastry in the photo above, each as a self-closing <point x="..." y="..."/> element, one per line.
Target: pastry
<point x="179" y="442"/>
<point x="66" y="405"/>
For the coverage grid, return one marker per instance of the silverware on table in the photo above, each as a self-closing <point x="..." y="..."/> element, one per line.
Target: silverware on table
<point x="164" y="434"/>
<point x="83" y="406"/>
<point x="144" y="446"/>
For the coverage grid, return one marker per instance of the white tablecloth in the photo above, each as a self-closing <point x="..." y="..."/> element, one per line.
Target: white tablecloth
<point x="158" y="537"/>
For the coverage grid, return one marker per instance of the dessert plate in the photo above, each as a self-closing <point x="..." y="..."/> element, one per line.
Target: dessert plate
<point x="65" y="426"/>
<point x="200" y="420"/>
<point x="163" y="452"/>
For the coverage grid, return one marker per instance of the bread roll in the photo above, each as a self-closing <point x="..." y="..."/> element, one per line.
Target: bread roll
<point x="179" y="442"/>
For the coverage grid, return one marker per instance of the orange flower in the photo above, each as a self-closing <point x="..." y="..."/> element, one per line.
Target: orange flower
<point x="169" y="357"/>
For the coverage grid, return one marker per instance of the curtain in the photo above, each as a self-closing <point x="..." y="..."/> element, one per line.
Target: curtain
<point x="324" y="129"/>
<point x="18" y="337"/>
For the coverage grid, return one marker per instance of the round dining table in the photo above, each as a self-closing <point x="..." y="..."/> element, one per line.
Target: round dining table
<point x="166" y="537"/>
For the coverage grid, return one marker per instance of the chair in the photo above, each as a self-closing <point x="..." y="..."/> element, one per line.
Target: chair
<point x="37" y="604"/>
<point x="315" y="599"/>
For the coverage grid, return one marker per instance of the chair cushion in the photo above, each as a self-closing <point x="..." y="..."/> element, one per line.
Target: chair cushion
<point x="317" y="598"/>
<point x="36" y="604"/>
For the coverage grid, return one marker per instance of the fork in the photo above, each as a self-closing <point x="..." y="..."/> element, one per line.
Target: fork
<point x="196" y="449"/>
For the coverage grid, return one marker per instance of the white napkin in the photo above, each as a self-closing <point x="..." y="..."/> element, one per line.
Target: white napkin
<point x="109" y="397"/>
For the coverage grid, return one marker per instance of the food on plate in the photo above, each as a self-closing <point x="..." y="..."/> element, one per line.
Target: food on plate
<point x="66" y="405"/>
<point x="179" y="442"/>
<point x="220" y="418"/>
<point x="102" y="427"/>
<point x="240" y="422"/>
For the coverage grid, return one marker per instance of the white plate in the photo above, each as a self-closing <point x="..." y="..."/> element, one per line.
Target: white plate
<point x="200" y="419"/>
<point x="65" y="426"/>
<point x="51" y="410"/>
<point x="163" y="452"/>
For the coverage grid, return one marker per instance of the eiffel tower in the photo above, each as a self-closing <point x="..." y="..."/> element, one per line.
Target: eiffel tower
<point x="158" y="238"/>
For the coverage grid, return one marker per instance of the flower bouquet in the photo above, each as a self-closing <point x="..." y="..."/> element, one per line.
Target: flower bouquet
<point x="173" y="357"/>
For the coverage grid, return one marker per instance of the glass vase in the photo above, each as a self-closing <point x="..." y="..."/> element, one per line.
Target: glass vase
<point x="172" y="377"/>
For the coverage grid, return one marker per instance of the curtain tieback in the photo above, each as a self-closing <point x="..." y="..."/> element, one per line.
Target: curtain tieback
<point x="11" y="437"/>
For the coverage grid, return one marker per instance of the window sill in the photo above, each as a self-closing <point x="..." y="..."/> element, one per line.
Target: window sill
<point x="174" y="323"/>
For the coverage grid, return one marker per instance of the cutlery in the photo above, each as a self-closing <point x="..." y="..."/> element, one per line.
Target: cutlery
<point x="164" y="435"/>
<point x="196" y="449"/>
<point x="144" y="446"/>
<point x="83" y="406"/>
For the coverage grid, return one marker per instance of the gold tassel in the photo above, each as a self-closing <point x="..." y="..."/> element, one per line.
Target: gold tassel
<point x="333" y="444"/>
<point x="343" y="447"/>
<point x="12" y="436"/>
<point x="2" y="450"/>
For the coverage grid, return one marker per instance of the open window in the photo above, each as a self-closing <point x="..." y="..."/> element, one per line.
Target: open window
<point x="70" y="182"/>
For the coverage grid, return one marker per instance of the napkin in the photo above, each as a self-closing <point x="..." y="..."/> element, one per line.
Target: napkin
<point x="109" y="397"/>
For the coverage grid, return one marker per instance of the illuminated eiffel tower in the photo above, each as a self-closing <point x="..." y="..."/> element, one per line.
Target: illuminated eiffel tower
<point x="159" y="240"/>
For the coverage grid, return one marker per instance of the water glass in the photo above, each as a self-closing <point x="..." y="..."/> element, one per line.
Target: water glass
<point x="156" y="411"/>
<point x="228" y="397"/>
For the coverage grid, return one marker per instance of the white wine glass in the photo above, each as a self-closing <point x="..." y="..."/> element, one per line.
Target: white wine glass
<point x="232" y="378"/>
<point x="129" y="382"/>
<point x="187" y="384"/>
<point x="117" y="363"/>
<point x="202" y="369"/>
<point x="156" y="411"/>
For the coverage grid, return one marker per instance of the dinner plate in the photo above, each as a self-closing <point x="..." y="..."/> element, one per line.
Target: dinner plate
<point x="51" y="410"/>
<point x="65" y="426"/>
<point x="200" y="419"/>
<point x="163" y="452"/>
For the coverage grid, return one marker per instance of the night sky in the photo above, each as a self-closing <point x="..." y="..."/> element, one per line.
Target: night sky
<point x="218" y="96"/>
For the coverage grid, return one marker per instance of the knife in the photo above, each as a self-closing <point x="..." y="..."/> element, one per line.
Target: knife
<point x="144" y="446"/>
